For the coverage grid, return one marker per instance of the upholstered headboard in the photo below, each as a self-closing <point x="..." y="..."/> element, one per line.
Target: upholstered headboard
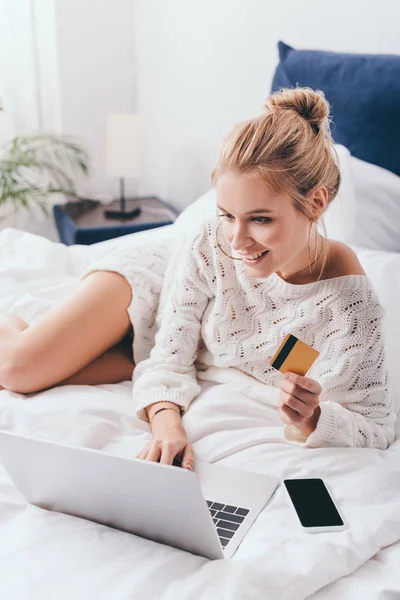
<point x="363" y="91"/>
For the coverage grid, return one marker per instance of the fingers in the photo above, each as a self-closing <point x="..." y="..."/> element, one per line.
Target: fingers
<point x="300" y="397"/>
<point x="290" y="416"/>
<point x="297" y="392"/>
<point x="303" y="409"/>
<point x="142" y="454"/>
<point x="305" y="383"/>
<point x="167" y="453"/>
<point x="154" y="454"/>
<point x="188" y="457"/>
<point x="170" y="452"/>
<point x="144" y="451"/>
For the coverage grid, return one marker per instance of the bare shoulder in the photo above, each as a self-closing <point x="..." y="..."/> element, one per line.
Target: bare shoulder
<point x="343" y="260"/>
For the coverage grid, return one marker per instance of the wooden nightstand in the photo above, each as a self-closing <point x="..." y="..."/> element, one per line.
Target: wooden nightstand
<point x="84" y="222"/>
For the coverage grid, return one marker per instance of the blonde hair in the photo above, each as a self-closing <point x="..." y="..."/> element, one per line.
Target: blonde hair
<point x="289" y="147"/>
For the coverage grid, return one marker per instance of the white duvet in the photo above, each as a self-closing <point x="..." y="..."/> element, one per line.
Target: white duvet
<point x="53" y="556"/>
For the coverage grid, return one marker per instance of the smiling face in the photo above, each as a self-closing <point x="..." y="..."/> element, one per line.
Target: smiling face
<point x="262" y="226"/>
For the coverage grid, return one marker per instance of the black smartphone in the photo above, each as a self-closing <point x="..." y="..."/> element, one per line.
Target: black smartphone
<point x="314" y="505"/>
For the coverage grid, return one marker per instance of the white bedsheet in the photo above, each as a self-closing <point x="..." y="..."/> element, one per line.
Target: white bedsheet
<point x="48" y="555"/>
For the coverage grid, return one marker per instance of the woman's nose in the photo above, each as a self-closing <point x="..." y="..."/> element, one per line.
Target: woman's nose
<point x="240" y="239"/>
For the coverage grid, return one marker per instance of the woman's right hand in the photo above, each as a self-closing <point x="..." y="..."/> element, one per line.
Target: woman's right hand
<point x="169" y="440"/>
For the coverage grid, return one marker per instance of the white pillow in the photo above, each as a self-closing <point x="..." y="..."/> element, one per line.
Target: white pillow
<point x="339" y="217"/>
<point x="383" y="268"/>
<point x="203" y="208"/>
<point x="377" y="223"/>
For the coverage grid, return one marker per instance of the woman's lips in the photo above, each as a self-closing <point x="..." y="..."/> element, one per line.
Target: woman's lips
<point x="252" y="263"/>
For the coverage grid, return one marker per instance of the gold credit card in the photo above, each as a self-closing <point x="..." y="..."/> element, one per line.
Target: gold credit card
<point x="294" y="355"/>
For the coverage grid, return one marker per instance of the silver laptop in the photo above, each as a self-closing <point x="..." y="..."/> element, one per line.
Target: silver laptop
<point x="207" y="511"/>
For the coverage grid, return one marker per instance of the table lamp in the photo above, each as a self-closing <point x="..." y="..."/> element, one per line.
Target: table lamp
<point x="122" y="158"/>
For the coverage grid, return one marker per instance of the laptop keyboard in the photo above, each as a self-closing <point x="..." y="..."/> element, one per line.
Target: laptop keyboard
<point x="227" y="519"/>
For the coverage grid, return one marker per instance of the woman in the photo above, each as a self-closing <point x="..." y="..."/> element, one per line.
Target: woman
<point x="246" y="279"/>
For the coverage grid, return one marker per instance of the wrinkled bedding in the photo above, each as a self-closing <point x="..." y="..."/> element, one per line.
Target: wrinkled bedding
<point x="49" y="555"/>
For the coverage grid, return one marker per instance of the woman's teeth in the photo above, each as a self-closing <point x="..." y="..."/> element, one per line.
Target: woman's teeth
<point x="255" y="257"/>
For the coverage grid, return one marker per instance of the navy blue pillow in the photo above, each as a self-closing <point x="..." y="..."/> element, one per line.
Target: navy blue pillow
<point x="363" y="91"/>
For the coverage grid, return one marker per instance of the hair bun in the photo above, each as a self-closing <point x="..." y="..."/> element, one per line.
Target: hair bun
<point x="311" y="105"/>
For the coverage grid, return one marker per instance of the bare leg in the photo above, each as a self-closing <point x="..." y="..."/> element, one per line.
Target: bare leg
<point x="10" y="325"/>
<point x="69" y="337"/>
<point x="114" y="366"/>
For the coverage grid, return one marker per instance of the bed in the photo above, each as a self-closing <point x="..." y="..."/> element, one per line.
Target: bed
<point x="50" y="555"/>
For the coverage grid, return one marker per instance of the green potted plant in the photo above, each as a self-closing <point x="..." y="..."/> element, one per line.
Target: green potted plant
<point x="34" y="167"/>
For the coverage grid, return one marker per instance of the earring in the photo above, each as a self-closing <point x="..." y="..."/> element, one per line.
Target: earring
<point x="311" y="269"/>
<point x="315" y="247"/>
<point x="219" y="245"/>
<point x="316" y="243"/>
<point x="308" y="248"/>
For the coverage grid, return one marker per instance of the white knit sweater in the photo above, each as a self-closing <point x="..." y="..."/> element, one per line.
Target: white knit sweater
<point x="217" y="323"/>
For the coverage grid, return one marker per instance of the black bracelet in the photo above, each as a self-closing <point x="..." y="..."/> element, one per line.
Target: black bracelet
<point x="166" y="408"/>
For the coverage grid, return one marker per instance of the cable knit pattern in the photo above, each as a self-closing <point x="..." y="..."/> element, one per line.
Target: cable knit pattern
<point x="144" y="268"/>
<point x="215" y="322"/>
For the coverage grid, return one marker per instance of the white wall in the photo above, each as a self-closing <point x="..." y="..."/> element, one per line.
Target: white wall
<point x="96" y="69"/>
<point x="66" y="64"/>
<point x="204" y="65"/>
<point x="192" y="69"/>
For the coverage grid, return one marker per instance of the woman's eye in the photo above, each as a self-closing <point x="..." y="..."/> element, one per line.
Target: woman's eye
<point x="259" y="220"/>
<point x="262" y="220"/>
<point x="227" y="217"/>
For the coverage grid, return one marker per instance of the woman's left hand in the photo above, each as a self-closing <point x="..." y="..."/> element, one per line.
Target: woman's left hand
<point x="300" y="402"/>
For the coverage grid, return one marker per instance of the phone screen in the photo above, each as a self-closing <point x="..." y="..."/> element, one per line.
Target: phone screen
<point x="313" y="503"/>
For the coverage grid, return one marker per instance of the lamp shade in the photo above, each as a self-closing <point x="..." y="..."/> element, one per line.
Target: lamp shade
<point x="122" y="145"/>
